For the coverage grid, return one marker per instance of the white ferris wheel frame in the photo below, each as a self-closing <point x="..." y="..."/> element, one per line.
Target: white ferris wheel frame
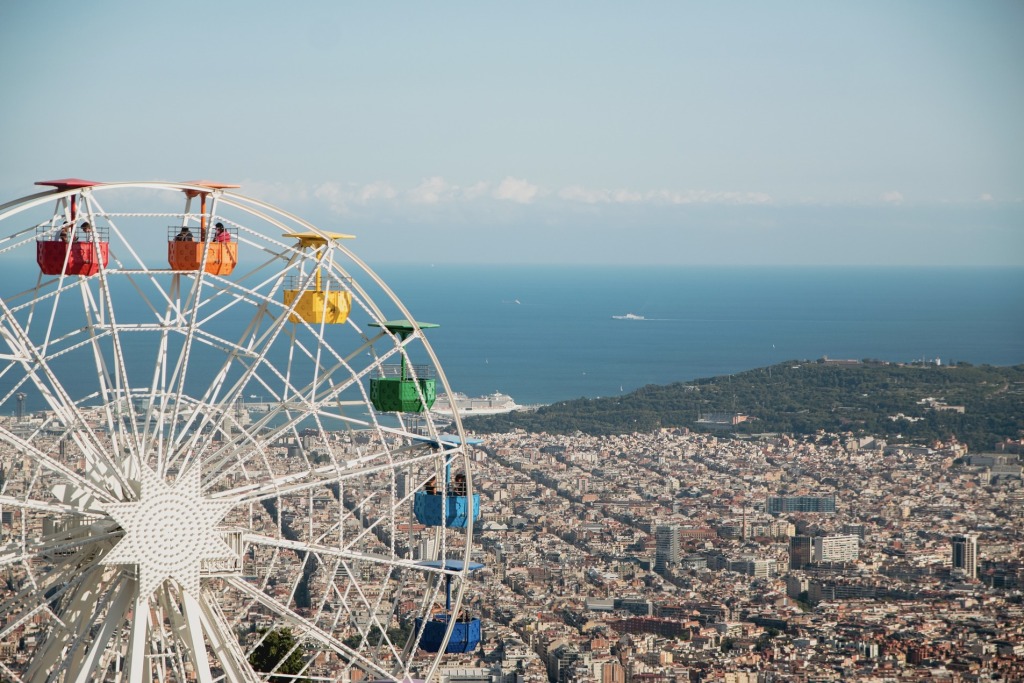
<point x="116" y="503"/>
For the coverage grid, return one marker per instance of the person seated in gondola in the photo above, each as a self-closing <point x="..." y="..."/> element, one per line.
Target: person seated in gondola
<point x="459" y="485"/>
<point x="65" y="233"/>
<point x="84" y="233"/>
<point x="184" y="235"/>
<point x="221" y="234"/>
<point x="431" y="486"/>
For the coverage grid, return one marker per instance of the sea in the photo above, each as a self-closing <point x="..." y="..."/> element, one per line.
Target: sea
<point x="542" y="334"/>
<point x="548" y="333"/>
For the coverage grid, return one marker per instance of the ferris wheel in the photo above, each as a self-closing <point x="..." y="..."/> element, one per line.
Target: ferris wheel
<point x="217" y="454"/>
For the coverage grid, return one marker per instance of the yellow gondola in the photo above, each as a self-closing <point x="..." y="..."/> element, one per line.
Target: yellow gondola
<point x="317" y="305"/>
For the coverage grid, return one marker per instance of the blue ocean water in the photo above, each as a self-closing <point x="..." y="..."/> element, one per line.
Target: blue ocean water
<point x="543" y="334"/>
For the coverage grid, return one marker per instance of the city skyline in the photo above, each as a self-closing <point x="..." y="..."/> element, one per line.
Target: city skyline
<point x="734" y="134"/>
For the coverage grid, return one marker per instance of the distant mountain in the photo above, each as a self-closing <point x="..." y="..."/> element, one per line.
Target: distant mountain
<point x="980" y="405"/>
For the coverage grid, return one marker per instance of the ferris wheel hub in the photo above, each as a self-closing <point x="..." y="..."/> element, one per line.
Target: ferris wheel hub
<point x="169" y="531"/>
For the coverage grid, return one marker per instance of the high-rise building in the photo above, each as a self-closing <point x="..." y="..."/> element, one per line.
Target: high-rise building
<point x="858" y="530"/>
<point x="759" y="568"/>
<point x="799" y="551"/>
<point x="836" y="548"/>
<point x="965" y="554"/>
<point x="612" y="672"/>
<point x="778" y="504"/>
<point x="666" y="539"/>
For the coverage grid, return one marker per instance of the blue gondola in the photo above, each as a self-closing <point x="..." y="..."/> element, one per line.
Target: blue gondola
<point x="452" y="510"/>
<point x="434" y="509"/>
<point x="465" y="631"/>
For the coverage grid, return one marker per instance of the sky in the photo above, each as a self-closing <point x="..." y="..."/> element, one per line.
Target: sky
<point x="865" y="132"/>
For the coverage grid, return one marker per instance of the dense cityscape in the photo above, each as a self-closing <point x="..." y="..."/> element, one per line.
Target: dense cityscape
<point x="674" y="556"/>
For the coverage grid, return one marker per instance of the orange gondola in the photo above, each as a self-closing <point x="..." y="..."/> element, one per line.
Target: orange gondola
<point x="217" y="249"/>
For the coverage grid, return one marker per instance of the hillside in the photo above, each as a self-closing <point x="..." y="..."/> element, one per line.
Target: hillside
<point x="802" y="397"/>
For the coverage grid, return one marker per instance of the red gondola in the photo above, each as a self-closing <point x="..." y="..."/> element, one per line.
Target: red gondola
<point x="73" y="248"/>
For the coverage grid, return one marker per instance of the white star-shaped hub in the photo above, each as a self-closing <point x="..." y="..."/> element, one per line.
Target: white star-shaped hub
<point x="169" y="531"/>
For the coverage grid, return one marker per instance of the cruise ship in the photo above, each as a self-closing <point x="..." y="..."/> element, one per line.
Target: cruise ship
<point x="492" y="404"/>
<point x="628" y="316"/>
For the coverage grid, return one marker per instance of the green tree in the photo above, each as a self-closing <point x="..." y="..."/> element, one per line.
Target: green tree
<point x="398" y="637"/>
<point x="272" y="656"/>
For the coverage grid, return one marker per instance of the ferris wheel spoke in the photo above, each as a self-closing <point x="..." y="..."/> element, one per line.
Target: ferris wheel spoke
<point x="348" y="556"/>
<point x="53" y="546"/>
<point x="20" y="608"/>
<point x="104" y="310"/>
<point x="167" y="321"/>
<point x="175" y="640"/>
<point x="229" y="458"/>
<point x="211" y="418"/>
<point x="179" y="374"/>
<point x="32" y="300"/>
<point x="288" y="400"/>
<point x="192" y="636"/>
<point x="193" y="335"/>
<point x="71" y="417"/>
<point x="324" y="476"/>
<point x="305" y="410"/>
<point x="49" y="507"/>
<point x="153" y="432"/>
<point x="136" y="663"/>
<point x="48" y="331"/>
<point x="9" y="673"/>
<point x="225" y="644"/>
<point x="307" y="628"/>
<point x="380" y="625"/>
<point x="168" y="389"/>
<point x="46" y="461"/>
<point x="325" y="614"/>
<point x="65" y="410"/>
<point x="81" y="589"/>
<point x="115" y="400"/>
<point x="168" y="641"/>
<point x="109" y="614"/>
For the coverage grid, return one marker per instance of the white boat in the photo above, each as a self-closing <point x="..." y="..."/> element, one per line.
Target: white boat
<point x="628" y="316"/>
<point x="493" y="404"/>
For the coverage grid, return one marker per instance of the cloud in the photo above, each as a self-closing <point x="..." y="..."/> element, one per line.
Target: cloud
<point x="340" y="198"/>
<point x="437" y="191"/>
<point x="711" y="197"/>
<point x="275" y="192"/>
<point x="892" y="197"/>
<point x="986" y="197"/>
<point x="577" y="193"/>
<point x="476" y="190"/>
<point x="377" y="190"/>
<point x="516" y="190"/>
<point x="432" y="190"/>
